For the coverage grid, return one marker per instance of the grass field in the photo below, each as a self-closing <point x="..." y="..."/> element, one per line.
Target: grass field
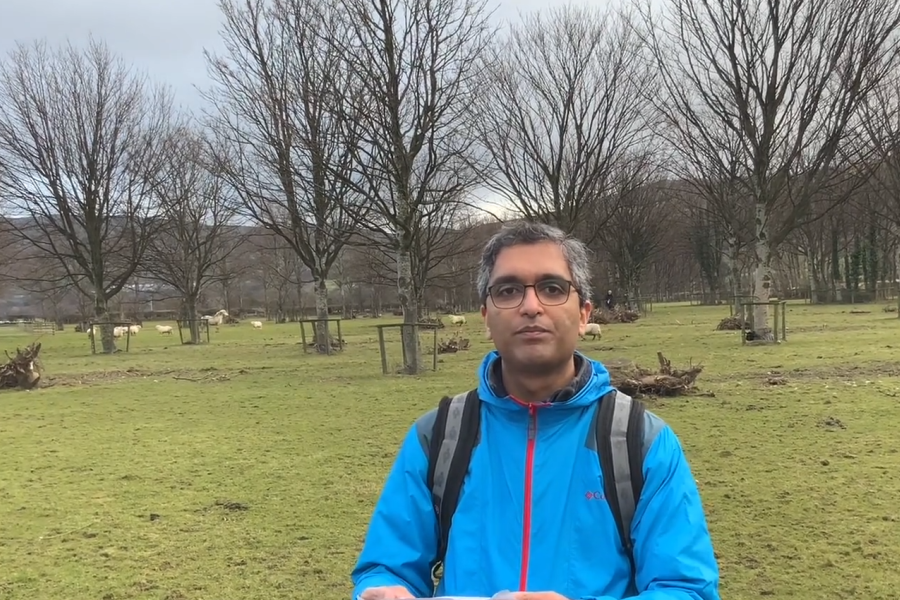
<point x="260" y="464"/>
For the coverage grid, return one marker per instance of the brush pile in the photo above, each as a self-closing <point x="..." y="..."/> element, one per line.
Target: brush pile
<point x="432" y="322"/>
<point x="454" y="344"/>
<point x="22" y="370"/>
<point x="617" y="315"/>
<point x="636" y="381"/>
<point x="732" y="324"/>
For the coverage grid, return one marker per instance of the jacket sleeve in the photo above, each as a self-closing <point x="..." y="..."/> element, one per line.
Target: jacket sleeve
<point x="401" y="541"/>
<point x="673" y="551"/>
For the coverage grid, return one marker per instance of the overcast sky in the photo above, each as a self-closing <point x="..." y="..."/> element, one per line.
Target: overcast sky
<point x="166" y="38"/>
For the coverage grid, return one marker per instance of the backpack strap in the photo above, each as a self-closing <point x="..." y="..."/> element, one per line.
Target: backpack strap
<point x="455" y="434"/>
<point x="620" y="432"/>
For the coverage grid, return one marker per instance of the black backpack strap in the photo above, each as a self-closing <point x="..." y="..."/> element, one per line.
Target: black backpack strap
<point x="456" y="432"/>
<point x="620" y="433"/>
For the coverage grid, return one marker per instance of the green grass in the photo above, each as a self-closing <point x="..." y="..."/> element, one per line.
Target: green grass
<point x="798" y="508"/>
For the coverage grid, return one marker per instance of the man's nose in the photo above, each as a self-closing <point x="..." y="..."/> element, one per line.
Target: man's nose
<point x="530" y="303"/>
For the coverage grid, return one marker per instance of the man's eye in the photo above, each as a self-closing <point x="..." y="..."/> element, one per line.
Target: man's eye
<point x="553" y="289"/>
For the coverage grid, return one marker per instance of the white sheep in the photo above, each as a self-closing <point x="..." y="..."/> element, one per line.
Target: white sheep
<point x="216" y="319"/>
<point x="593" y="330"/>
<point x="164" y="329"/>
<point x="457" y="319"/>
<point x="133" y="329"/>
<point x="256" y="324"/>
<point x="117" y="331"/>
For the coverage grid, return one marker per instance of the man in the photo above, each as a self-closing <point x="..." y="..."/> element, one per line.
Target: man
<point x="529" y="518"/>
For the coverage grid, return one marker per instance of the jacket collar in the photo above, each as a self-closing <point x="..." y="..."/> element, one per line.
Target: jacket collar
<point x="583" y="372"/>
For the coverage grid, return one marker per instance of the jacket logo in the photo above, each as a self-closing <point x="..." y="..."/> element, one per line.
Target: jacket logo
<point x="595" y="495"/>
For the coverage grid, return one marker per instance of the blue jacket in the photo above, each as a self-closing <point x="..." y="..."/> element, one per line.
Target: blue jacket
<point x="563" y="538"/>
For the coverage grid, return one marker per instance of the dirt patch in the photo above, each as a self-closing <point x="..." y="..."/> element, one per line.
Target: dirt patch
<point x="204" y="375"/>
<point x="831" y="423"/>
<point x="225" y="504"/>
<point x="829" y="328"/>
<point x="775" y="378"/>
<point x="839" y="371"/>
<point x="231" y="505"/>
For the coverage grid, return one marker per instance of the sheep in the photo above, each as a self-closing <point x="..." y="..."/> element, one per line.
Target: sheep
<point x="217" y="319"/>
<point x="256" y="324"/>
<point x="164" y="329"/>
<point x="118" y="331"/>
<point x="457" y="319"/>
<point x="95" y="331"/>
<point x="593" y="330"/>
<point x="133" y="329"/>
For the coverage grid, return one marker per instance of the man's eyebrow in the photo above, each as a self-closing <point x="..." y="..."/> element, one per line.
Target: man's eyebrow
<point x="516" y="279"/>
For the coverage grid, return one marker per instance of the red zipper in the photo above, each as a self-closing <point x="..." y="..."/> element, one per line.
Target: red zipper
<point x="526" y="517"/>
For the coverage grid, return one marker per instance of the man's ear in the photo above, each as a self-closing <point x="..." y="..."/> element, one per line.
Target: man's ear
<point x="586" y="309"/>
<point x="487" y="328"/>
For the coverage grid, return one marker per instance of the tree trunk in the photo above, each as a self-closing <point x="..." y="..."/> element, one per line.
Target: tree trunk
<point x="897" y="270"/>
<point x="835" y="267"/>
<point x="101" y="314"/>
<point x="300" y="306"/>
<point x="322" y="338"/>
<point x="762" y="277"/>
<point x="637" y="303"/>
<point x="412" y="357"/>
<point x="189" y="314"/>
<point x="732" y="273"/>
<point x="226" y="284"/>
<point x="811" y="277"/>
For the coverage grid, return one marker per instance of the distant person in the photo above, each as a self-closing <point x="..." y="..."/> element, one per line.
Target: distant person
<point x="539" y="512"/>
<point x="609" y="301"/>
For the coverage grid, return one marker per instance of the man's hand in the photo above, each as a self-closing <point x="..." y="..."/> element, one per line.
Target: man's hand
<point x="537" y="596"/>
<point x="391" y="592"/>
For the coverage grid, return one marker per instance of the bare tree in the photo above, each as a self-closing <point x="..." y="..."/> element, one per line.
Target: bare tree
<point x="196" y="232"/>
<point x="231" y="272"/>
<point x="40" y="276"/>
<point x="882" y="122"/>
<point x="282" y="275"/>
<point x="7" y="249"/>
<point x="80" y="138"/>
<point x="451" y="253"/>
<point x="788" y="79"/>
<point x="710" y="170"/>
<point x="365" y="265"/>
<point x="639" y="226"/>
<point x="286" y="128"/>
<point x="561" y="107"/>
<point x="416" y="63"/>
<point x="437" y="238"/>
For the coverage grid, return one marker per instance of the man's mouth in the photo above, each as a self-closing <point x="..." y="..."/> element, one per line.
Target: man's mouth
<point x="531" y="330"/>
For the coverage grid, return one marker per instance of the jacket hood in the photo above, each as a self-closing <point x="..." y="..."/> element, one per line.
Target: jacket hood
<point x="591" y="383"/>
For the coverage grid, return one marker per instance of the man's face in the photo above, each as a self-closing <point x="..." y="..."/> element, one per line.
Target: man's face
<point x="533" y="335"/>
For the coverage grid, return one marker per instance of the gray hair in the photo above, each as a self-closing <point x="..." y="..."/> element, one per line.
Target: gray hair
<point x="523" y="232"/>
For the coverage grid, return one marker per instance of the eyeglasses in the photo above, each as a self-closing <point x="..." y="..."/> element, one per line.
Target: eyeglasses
<point x="551" y="292"/>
